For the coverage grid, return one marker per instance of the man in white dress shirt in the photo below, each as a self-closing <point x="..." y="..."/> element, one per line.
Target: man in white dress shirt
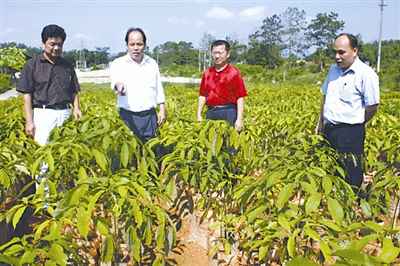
<point x="350" y="99"/>
<point x="136" y="79"/>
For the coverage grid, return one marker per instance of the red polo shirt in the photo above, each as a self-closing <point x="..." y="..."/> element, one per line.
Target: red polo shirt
<point x="222" y="88"/>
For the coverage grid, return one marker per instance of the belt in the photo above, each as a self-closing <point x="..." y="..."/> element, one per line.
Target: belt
<point x="220" y="107"/>
<point x="340" y="125"/>
<point x="56" y="106"/>
<point x="140" y="113"/>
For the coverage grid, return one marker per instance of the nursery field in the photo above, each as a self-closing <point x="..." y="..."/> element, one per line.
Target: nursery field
<point x="272" y="194"/>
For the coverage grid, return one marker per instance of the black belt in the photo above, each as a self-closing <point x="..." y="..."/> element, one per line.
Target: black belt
<point x="340" y="125"/>
<point x="140" y="113"/>
<point x="221" y="107"/>
<point x="56" y="106"/>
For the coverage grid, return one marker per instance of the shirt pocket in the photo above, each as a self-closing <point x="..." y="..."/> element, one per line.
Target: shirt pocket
<point x="348" y="92"/>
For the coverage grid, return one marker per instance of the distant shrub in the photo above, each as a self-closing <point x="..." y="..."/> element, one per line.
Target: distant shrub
<point x="5" y="82"/>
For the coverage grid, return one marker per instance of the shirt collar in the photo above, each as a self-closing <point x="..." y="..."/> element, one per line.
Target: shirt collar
<point x="145" y="59"/>
<point x="43" y="59"/>
<point x="354" y="67"/>
<point x="222" y="70"/>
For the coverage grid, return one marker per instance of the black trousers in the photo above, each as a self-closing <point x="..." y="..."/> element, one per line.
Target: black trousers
<point x="348" y="140"/>
<point x="226" y="112"/>
<point x="143" y="124"/>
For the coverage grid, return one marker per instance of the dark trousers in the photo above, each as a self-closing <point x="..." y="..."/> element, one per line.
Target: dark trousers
<point x="142" y="124"/>
<point x="348" y="140"/>
<point x="225" y="112"/>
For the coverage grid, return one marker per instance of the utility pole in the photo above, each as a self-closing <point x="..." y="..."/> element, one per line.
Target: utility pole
<point x="378" y="64"/>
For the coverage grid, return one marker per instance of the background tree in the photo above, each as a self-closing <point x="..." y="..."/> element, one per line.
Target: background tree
<point x="322" y="31"/>
<point x="238" y="50"/>
<point x="265" y="44"/>
<point x="179" y="53"/>
<point x="293" y="32"/>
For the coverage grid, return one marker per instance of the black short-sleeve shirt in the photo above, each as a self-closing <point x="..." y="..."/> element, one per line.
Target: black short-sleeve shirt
<point x="49" y="83"/>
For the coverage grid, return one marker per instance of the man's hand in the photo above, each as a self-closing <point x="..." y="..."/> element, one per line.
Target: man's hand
<point x="120" y="88"/>
<point x="76" y="111"/>
<point x="162" y="115"/>
<point x="319" y="129"/>
<point x="30" y="129"/>
<point x="199" y="118"/>
<point x="239" y="124"/>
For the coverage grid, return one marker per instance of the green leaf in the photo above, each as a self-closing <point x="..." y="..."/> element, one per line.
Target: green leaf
<point x="160" y="237"/>
<point x="83" y="221"/>
<point x="17" y="216"/>
<point x="284" y="195"/>
<point x="251" y="216"/>
<point x="124" y="156"/>
<point x="326" y="250"/>
<point x="300" y="261"/>
<point x="312" y="203"/>
<point x="50" y="161"/>
<point x="374" y="226"/>
<point x="327" y="185"/>
<point x="141" y="191"/>
<point x="311" y="233"/>
<point x="135" y="244"/>
<point x="39" y="229"/>
<point x="389" y="251"/>
<point x="83" y="177"/>
<point x="56" y="253"/>
<point x="108" y="249"/>
<point x="102" y="227"/>
<point x="336" y="210"/>
<point x="366" y="208"/>
<point x="137" y="213"/>
<point x="262" y="252"/>
<point x="28" y="257"/>
<point x="291" y="244"/>
<point x="100" y="159"/>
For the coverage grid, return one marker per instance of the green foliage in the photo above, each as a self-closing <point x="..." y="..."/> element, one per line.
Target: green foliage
<point x="12" y="57"/>
<point x="5" y="82"/>
<point x="275" y="188"/>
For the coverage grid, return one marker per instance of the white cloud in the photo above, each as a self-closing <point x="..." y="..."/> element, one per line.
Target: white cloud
<point x="219" y="13"/>
<point x="253" y="13"/>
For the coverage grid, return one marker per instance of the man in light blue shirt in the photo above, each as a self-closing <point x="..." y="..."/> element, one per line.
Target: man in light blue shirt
<point x="350" y="100"/>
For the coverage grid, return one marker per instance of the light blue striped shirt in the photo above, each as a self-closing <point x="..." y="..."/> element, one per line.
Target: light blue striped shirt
<point x="348" y="92"/>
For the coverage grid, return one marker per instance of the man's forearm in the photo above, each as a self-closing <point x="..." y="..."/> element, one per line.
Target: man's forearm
<point x="76" y="102"/>
<point x="370" y="111"/>
<point x="240" y="108"/>
<point x="28" y="108"/>
<point x="201" y="103"/>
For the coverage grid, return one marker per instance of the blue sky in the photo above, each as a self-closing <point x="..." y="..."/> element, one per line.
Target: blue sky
<point x="102" y="23"/>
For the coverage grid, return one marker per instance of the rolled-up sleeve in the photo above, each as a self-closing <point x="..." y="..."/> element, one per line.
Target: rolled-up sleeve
<point x="114" y="73"/>
<point x="25" y="83"/>
<point x="160" y="89"/>
<point x="370" y="88"/>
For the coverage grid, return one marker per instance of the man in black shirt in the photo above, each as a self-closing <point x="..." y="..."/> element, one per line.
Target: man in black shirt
<point x="50" y="87"/>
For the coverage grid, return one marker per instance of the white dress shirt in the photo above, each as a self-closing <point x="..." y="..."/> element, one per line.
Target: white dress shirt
<point x="348" y="92"/>
<point x="142" y="83"/>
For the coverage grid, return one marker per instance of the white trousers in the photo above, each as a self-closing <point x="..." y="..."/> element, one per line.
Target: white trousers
<point x="45" y="120"/>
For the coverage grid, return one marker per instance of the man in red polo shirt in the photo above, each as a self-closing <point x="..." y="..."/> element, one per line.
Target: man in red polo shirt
<point x="222" y="89"/>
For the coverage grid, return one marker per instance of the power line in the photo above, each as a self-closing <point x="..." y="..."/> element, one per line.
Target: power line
<point x="378" y="65"/>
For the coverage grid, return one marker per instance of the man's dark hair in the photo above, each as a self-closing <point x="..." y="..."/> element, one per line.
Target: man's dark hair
<point x="137" y="30"/>
<point x="53" y="31"/>
<point x="221" y="42"/>
<point x="352" y="39"/>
